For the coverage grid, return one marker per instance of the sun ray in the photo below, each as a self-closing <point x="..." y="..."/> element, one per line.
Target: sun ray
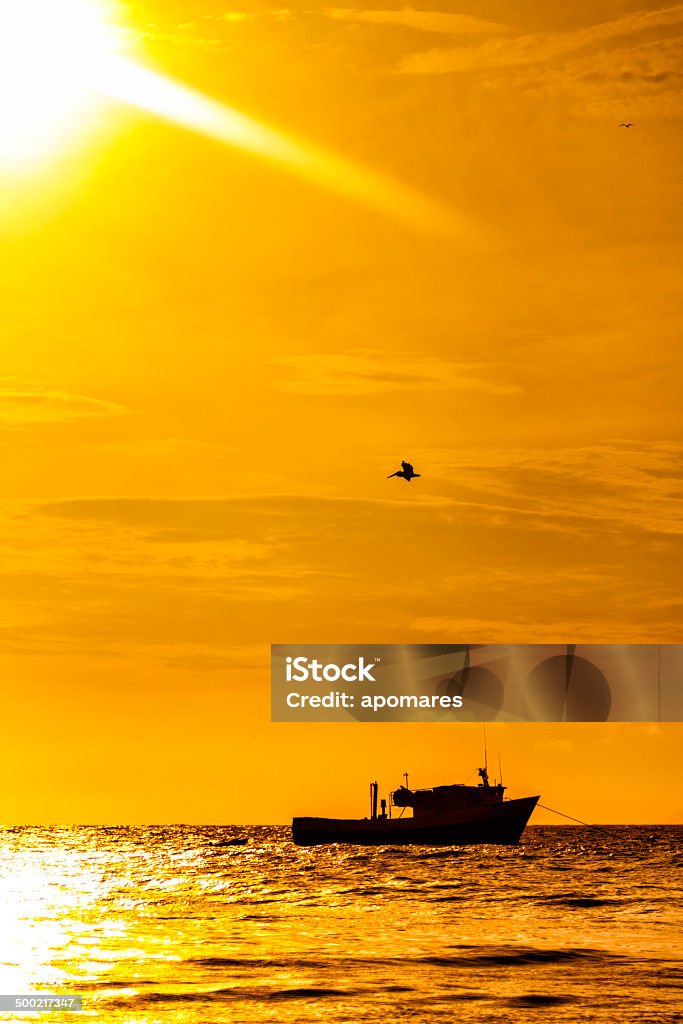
<point x="127" y="81"/>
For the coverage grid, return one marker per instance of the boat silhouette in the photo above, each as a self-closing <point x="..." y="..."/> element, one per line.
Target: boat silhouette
<point x="442" y="816"/>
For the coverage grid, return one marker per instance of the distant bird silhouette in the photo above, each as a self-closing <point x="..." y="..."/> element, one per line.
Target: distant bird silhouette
<point x="625" y="125"/>
<point x="407" y="472"/>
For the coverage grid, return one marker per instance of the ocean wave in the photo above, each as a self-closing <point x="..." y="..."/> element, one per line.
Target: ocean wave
<point x="310" y="993"/>
<point x="515" y="957"/>
<point x="578" y="901"/>
<point x="537" y="999"/>
<point x="148" y="999"/>
<point x="467" y="956"/>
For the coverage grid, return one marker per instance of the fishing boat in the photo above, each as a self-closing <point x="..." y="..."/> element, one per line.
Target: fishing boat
<point x="442" y="816"/>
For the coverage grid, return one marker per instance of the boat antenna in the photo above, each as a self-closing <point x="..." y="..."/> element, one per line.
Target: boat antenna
<point x="486" y="761"/>
<point x="405" y="776"/>
<point x="500" y="769"/>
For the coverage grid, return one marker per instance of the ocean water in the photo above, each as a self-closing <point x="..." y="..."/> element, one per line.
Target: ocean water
<point x="175" y="925"/>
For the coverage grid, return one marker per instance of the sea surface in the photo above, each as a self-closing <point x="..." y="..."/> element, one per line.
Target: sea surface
<point x="176" y="925"/>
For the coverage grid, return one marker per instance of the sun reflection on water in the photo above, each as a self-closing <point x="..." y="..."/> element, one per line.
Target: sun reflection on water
<point x="175" y="925"/>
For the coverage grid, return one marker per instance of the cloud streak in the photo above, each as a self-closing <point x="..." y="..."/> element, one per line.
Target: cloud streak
<point x="367" y="372"/>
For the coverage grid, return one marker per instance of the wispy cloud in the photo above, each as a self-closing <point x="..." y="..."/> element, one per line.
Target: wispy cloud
<point x="559" y="745"/>
<point x="644" y="78"/>
<point x="178" y="578"/>
<point x="265" y="10"/>
<point x="536" y="48"/>
<point x="612" y="485"/>
<point x="601" y="626"/>
<point x="20" y="406"/>
<point x="441" y="22"/>
<point x="367" y="372"/>
<point x="618" y="489"/>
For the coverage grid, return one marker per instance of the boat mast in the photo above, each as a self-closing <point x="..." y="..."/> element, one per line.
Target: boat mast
<point x="373" y="800"/>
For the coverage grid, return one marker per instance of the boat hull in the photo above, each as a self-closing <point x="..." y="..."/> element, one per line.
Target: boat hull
<point x="500" y="823"/>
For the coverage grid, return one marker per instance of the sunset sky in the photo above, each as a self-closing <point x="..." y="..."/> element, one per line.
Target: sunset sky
<point x="213" y="358"/>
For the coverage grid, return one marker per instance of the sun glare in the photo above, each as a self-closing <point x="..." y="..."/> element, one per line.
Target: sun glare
<point x="50" y="53"/>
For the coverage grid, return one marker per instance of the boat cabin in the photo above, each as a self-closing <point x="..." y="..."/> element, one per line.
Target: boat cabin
<point x="426" y="802"/>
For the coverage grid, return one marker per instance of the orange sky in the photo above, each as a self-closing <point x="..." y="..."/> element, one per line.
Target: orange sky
<point x="210" y="366"/>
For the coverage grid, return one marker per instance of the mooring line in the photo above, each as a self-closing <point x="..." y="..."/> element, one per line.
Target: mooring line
<point x="577" y="820"/>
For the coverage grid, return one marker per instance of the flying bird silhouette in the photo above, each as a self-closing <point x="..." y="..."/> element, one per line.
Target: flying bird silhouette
<point x="626" y="125"/>
<point x="407" y="472"/>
